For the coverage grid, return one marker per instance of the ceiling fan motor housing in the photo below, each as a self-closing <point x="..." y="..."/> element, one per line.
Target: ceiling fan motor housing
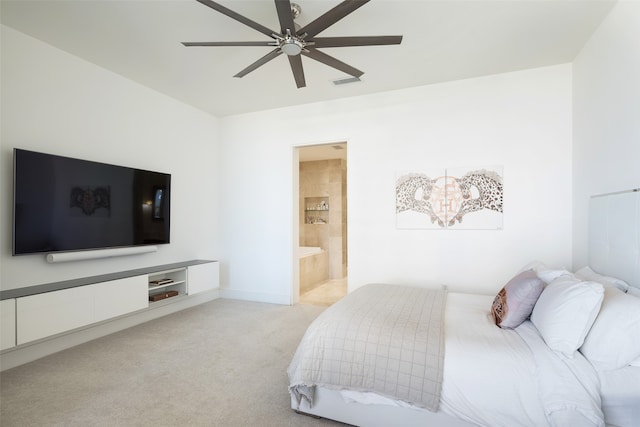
<point x="296" y="10"/>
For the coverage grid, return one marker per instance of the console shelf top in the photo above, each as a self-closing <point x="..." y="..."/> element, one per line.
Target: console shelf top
<point x="83" y="281"/>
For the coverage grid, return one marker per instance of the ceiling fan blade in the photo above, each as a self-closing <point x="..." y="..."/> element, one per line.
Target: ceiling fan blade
<point x="356" y="41"/>
<point x="331" y="17"/>
<point x="190" y="44"/>
<point x="285" y="16"/>
<point x="260" y="62"/>
<point x="332" y="62"/>
<point x="298" y="72"/>
<point x="234" y="15"/>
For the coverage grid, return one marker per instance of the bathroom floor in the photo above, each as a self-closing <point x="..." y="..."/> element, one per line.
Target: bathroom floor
<point x="326" y="293"/>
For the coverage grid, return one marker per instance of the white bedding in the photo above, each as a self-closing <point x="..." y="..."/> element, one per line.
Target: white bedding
<point x="492" y="378"/>
<point x="381" y="338"/>
<point x="620" y="391"/>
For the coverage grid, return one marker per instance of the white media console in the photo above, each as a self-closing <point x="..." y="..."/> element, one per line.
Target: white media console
<point x="33" y="315"/>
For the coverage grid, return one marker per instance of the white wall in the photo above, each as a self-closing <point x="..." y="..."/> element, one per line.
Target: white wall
<point x="606" y="116"/>
<point x="519" y="120"/>
<point x="57" y="103"/>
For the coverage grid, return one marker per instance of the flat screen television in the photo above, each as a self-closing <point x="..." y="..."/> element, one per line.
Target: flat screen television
<point x="61" y="204"/>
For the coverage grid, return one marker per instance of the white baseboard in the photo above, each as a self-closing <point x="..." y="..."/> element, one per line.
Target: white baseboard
<point x="29" y="352"/>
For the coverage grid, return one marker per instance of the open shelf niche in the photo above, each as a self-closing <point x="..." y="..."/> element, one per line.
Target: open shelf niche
<point x="167" y="284"/>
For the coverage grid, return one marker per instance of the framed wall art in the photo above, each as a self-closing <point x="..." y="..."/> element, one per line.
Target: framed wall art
<point x="450" y="198"/>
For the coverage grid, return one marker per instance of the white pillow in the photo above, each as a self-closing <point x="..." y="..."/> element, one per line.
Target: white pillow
<point x="565" y="312"/>
<point x="586" y="273"/>
<point x="633" y="291"/>
<point x="614" y="338"/>
<point x="545" y="273"/>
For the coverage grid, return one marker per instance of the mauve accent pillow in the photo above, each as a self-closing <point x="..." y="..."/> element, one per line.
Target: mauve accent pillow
<point x="515" y="301"/>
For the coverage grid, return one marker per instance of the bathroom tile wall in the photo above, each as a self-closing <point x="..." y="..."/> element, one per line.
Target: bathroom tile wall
<point x="326" y="179"/>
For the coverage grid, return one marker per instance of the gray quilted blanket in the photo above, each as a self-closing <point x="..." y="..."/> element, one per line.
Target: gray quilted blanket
<point x="386" y="339"/>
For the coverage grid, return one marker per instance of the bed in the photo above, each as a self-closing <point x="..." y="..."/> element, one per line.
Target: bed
<point x="553" y="348"/>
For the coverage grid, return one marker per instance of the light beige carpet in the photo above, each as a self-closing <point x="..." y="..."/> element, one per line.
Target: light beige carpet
<point x="222" y="363"/>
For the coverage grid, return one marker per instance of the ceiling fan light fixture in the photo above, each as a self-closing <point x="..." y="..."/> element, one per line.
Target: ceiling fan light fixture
<point x="291" y="46"/>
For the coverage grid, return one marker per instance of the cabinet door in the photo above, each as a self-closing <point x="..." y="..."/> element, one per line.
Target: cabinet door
<point x="8" y="323"/>
<point x="118" y="297"/>
<point x="203" y="277"/>
<point x="41" y="315"/>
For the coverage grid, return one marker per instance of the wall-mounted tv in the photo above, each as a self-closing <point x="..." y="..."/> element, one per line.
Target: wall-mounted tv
<point x="62" y="204"/>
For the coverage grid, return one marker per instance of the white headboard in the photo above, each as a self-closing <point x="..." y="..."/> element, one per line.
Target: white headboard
<point x="614" y="235"/>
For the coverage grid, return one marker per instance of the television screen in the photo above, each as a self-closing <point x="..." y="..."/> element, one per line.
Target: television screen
<point x="64" y="204"/>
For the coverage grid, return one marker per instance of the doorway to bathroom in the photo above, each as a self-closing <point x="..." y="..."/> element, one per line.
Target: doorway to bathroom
<point x="322" y="222"/>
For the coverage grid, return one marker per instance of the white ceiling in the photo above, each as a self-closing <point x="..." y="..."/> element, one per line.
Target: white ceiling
<point x="443" y="40"/>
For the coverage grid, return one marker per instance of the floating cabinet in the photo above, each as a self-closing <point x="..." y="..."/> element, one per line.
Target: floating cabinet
<point x="53" y="308"/>
<point x="42" y="315"/>
<point x="203" y="277"/>
<point x="50" y="313"/>
<point x="118" y="297"/>
<point x="7" y="323"/>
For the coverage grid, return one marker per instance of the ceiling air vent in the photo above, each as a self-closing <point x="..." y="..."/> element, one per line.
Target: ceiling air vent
<point x="346" y="80"/>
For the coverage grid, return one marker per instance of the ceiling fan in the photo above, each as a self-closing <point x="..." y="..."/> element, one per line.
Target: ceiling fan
<point x="294" y="42"/>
